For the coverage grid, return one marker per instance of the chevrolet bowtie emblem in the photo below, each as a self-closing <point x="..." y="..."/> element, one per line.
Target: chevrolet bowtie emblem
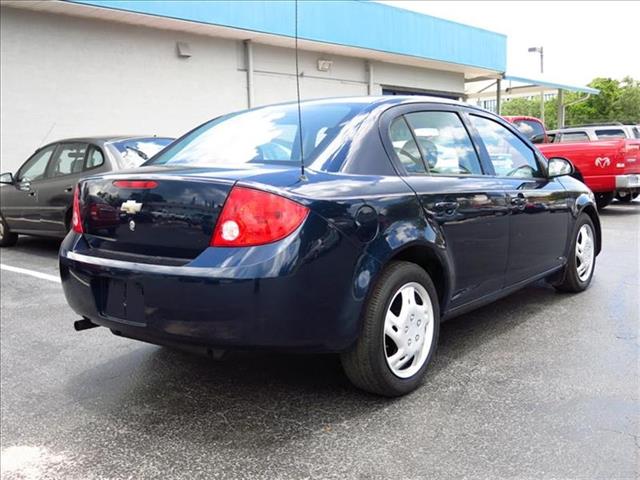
<point x="131" y="207"/>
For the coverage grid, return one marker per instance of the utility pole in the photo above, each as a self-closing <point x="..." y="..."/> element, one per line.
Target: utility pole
<point x="540" y="50"/>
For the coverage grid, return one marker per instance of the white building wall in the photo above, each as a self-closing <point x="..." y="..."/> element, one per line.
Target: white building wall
<point x="64" y="76"/>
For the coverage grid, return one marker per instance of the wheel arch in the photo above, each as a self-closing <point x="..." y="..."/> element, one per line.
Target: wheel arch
<point x="590" y="210"/>
<point x="431" y="260"/>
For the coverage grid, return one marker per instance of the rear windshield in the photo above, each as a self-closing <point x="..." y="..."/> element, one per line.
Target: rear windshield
<point x="263" y="135"/>
<point x="133" y="152"/>
<point x="610" y="133"/>
<point x="529" y="128"/>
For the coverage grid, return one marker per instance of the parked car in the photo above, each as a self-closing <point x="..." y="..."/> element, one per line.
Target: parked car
<point x="37" y="200"/>
<point x="611" y="168"/>
<point x="531" y="127"/>
<point x="410" y="210"/>
<point x="592" y="133"/>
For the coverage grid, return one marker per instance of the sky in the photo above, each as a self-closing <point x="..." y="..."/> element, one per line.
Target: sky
<point x="581" y="39"/>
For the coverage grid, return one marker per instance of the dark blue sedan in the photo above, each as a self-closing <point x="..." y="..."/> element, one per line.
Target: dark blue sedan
<point x="408" y="211"/>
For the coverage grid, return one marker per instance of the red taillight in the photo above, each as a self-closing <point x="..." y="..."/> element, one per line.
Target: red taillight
<point x="76" y="218"/>
<point x="252" y="217"/>
<point x="137" y="184"/>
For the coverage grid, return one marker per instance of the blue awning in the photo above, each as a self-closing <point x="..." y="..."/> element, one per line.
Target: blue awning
<point x="547" y="84"/>
<point x="352" y="23"/>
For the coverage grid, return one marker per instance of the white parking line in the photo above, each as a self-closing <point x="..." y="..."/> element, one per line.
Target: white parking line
<point x="33" y="273"/>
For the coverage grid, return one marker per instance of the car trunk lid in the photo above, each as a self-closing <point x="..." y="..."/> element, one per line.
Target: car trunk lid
<point x="153" y="215"/>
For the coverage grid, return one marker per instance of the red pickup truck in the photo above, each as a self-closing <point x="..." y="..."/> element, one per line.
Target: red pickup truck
<point x="610" y="168"/>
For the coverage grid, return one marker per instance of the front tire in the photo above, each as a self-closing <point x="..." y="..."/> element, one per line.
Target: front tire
<point x="582" y="258"/>
<point x="7" y="237"/>
<point x="401" y="322"/>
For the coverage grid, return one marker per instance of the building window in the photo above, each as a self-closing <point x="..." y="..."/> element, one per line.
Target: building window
<point x="490" y="105"/>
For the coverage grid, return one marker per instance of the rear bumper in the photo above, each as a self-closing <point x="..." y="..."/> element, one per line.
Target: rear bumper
<point x="628" y="182"/>
<point x="288" y="295"/>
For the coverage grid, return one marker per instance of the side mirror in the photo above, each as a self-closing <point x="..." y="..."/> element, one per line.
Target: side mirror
<point x="537" y="139"/>
<point x="559" y="167"/>
<point x="7" y="178"/>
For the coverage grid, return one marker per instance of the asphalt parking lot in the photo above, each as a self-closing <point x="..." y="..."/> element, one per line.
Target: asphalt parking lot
<point x="538" y="385"/>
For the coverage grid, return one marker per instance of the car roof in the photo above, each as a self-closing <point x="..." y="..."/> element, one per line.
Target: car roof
<point x="372" y="102"/>
<point x="102" y="139"/>
<point x="379" y="100"/>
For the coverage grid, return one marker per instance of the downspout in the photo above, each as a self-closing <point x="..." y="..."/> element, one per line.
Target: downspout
<point x="370" y="86"/>
<point x="248" y="52"/>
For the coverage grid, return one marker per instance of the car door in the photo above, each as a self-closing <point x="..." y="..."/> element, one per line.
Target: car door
<point x="20" y="200"/>
<point x="540" y="215"/>
<point x="55" y="195"/>
<point x="439" y="160"/>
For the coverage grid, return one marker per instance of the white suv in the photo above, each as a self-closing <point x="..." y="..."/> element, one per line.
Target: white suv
<point x="593" y="132"/>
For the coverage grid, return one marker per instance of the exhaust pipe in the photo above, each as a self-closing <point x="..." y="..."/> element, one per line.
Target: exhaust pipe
<point x="84" y="324"/>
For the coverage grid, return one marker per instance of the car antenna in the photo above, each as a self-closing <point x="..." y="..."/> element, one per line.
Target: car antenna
<point x="303" y="177"/>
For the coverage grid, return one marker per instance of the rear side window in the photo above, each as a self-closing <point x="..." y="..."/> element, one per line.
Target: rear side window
<point x="405" y="146"/>
<point x="510" y="156"/>
<point x="569" y="137"/>
<point x="70" y="159"/>
<point x="444" y="143"/>
<point x="610" y="133"/>
<point x="94" y="159"/>
<point x="636" y="132"/>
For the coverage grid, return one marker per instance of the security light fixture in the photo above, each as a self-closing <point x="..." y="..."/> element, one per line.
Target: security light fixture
<point x="324" y="65"/>
<point x="183" y="49"/>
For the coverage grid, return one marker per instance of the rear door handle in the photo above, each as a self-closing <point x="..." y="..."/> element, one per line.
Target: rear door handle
<point x="447" y="208"/>
<point x="519" y="201"/>
<point x="32" y="193"/>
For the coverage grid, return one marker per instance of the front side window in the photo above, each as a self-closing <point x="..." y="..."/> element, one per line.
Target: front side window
<point x="405" y="146"/>
<point x="36" y="166"/>
<point x="70" y="159"/>
<point x="262" y="135"/>
<point x="510" y="156"/>
<point x="569" y="137"/>
<point x="610" y="133"/>
<point x="444" y="143"/>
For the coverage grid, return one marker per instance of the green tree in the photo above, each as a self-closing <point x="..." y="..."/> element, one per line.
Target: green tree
<point x="618" y="101"/>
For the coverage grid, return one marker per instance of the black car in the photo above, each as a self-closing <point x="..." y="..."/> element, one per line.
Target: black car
<point x="409" y="211"/>
<point x="37" y="200"/>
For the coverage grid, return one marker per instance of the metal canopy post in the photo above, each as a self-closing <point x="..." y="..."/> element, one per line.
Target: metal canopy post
<point x="560" y="108"/>
<point x="498" y="96"/>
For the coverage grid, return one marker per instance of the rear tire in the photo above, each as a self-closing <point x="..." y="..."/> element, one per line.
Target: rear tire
<point x="627" y="198"/>
<point x="7" y="237"/>
<point x="603" y="199"/>
<point x="581" y="263"/>
<point x="401" y="322"/>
